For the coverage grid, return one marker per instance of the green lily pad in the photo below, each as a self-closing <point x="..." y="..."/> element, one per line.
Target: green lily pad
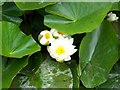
<point x="76" y="17"/>
<point x="10" y="12"/>
<point x="23" y="5"/>
<point x="98" y="53"/>
<point x="14" y="42"/>
<point x="11" y="70"/>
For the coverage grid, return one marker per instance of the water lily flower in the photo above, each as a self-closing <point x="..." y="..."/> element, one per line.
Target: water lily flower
<point x="112" y="17"/>
<point x="61" y="49"/>
<point x="55" y="33"/>
<point x="45" y="37"/>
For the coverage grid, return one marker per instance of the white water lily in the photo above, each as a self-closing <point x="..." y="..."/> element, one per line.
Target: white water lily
<point x="55" y="33"/>
<point x="45" y="37"/>
<point x="61" y="49"/>
<point x="112" y="17"/>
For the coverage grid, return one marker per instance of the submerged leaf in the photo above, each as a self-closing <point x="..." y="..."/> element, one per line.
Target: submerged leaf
<point x="55" y="74"/>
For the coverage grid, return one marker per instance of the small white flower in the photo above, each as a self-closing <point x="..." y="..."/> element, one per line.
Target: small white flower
<point x="55" y="33"/>
<point x="112" y="17"/>
<point x="61" y="49"/>
<point x="45" y="37"/>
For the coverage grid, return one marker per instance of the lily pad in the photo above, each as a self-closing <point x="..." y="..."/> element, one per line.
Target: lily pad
<point x="98" y="53"/>
<point x="76" y="17"/>
<point x="25" y="5"/>
<point x="14" y="42"/>
<point x="11" y="70"/>
<point x="10" y="12"/>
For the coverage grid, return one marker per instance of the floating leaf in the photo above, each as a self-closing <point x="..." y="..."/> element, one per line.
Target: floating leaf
<point x="76" y="17"/>
<point x="98" y="53"/>
<point x="23" y="5"/>
<point x="15" y="43"/>
<point x="10" y="12"/>
<point x="11" y="71"/>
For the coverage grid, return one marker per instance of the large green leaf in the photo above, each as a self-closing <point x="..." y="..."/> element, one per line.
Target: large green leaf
<point x="76" y="17"/>
<point x="10" y="12"/>
<point x="11" y="70"/>
<point x="98" y="53"/>
<point x="15" y="43"/>
<point x="23" y="5"/>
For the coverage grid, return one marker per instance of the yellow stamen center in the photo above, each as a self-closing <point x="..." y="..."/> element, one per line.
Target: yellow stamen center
<point x="60" y="50"/>
<point x="47" y="35"/>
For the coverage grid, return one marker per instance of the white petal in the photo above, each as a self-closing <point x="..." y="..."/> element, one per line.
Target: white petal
<point x="55" y="34"/>
<point x="73" y="51"/>
<point x="52" y="52"/>
<point x="43" y="41"/>
<point x="67" y="58"/>
<point x="70" y="48"/>
<point x="53" y="30"/>
<point x="44" y="32"/>
<point x="112" y="17"/>
<point x="51" y="39"/>
<point x="109" y="14"/>
<point x="71" y="40"/>
<point x="116" y="18"/>
<point x="67" y="44"/>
